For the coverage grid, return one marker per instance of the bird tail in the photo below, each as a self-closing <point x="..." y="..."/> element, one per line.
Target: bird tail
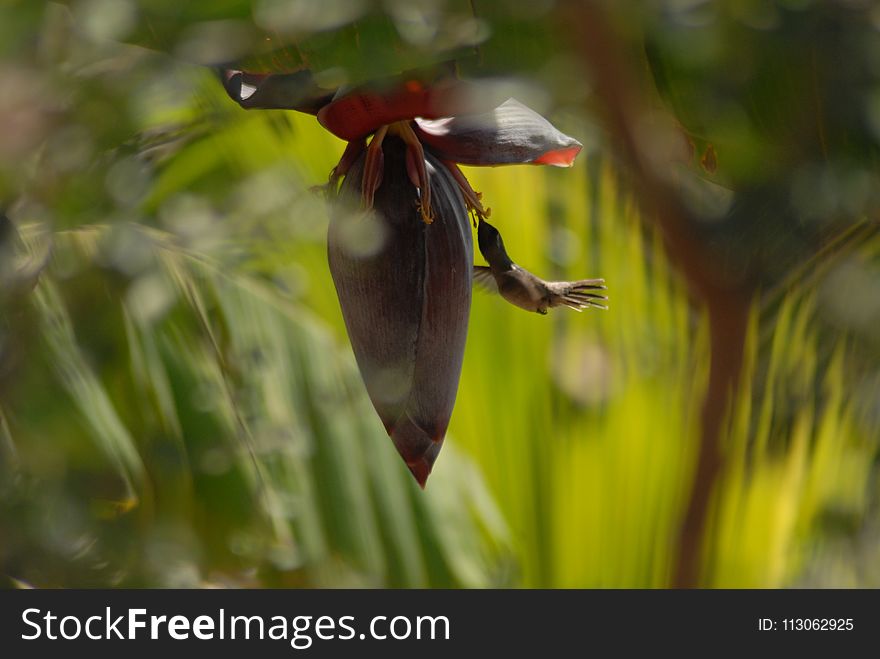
<point x="580" y="295"/>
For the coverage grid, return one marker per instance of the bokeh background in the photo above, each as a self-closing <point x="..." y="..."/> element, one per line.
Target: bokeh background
<point x="179" y="405"/>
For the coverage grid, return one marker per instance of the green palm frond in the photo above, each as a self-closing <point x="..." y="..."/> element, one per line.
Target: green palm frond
<point x="238" y="430"/>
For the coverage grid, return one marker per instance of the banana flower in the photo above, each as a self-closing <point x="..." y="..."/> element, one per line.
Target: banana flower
<point x="406" y="300"/>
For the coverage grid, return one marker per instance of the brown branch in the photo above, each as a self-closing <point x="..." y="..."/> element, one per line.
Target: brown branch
<point x="622" y="109"/>
<point x="728" y="321"/>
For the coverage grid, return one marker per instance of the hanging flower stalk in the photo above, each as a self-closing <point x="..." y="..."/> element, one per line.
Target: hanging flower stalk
<point x="406" y="298"/>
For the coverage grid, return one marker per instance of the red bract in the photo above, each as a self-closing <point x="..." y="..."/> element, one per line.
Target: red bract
<point x="449" y="115"/>
<point x="406" y="301"/>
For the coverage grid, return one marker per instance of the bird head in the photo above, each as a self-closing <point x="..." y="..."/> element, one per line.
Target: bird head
<point x="491" y="245"/>
<point x="488" y="237"/>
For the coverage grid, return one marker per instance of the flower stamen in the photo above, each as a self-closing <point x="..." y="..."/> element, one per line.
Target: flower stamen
<point x="349" y="157"/>
<point x="472" y="199"/>
<point x="415" y="167"/>
<point x="373" y="167"/>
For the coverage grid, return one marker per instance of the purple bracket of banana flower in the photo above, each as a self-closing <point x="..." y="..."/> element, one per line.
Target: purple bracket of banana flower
<point x="406" y="302"/>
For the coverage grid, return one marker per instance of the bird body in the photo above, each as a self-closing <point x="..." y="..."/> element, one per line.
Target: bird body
<point x="526" y="290"/>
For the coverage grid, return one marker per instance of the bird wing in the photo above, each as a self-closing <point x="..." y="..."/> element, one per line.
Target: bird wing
<point x="578" y="295"/>
<point x="484" y="278"/>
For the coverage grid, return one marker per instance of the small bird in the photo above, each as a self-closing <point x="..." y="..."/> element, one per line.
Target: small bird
<point x="525" y="290"/>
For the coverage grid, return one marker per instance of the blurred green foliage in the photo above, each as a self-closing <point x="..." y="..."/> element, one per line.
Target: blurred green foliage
<point x="178" y="402"/>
